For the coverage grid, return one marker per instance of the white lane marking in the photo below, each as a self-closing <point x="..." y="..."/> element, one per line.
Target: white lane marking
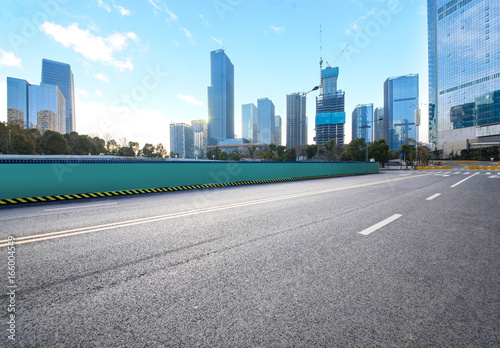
<point x="461" y="181"/>
<point x="489" y="173"/>
<point x="81" y="206"/>
<point x="466" y="173"/>
<point x="456" y="173"/>
<point x="494" y="177"/>
<point x="432" y="197"/>
<point x="77" y="231"/>
<point x="381" y="224"/>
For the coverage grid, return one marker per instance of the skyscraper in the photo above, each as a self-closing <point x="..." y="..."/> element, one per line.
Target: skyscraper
<point x="378" y="123"/>
<point x="59" y="74"/>
<point x="17" y="102"/>
<point x="277" y="129"/>
<point x="296" y="130"/>
<point x="220" y="98"/>
<point x="362" y="122"/>
<point x="31" y="106"/>
<point x="249" y="122"/>
<point x="200" y="133"/>
<point x="182" y="140"/>
<point x="330" y="109"/>
<point x="464" y="72"/>
<point x="265" y="121"/>
<point x="400" y="102"/>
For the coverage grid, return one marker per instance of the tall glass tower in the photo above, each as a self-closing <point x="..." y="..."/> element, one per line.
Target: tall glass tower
<point x="464" y="70"/>
<point x="362" y="122"/>
<point x="400" y="102"/>
<point x="265" y="121"/>
<point x="296" y="130"/>
<point x="220" y="98"/>
<point x="378" y="122"/>
<point x="330" y="109"/>
<point x="59" y="74"/>
<point x="17" y="102"/>
<point x="47" y="108"/>
<point x="249" y="122"/>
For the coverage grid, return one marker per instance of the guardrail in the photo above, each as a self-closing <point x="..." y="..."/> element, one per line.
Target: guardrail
<point x="484" y="167"/>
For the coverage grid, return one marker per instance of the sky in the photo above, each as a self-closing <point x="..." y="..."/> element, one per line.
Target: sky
<point x="140" y="65"/>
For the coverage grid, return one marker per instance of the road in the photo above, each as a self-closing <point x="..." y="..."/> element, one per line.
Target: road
<point x="400" y="258"/>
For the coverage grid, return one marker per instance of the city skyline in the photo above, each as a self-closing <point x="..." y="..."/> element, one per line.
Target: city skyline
<point x="145" y="77"/>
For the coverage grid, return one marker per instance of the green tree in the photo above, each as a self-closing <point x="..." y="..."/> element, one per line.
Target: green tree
<point x="84" y="145"/>
<point x="235" y="155"/>
<point x="223" y="156"/>
<point x="112" y="147"/>
<point x="148" y="150"/>
<point x="330" y="150"/>
<point x="126" y="151"/>
<point x="379" y="150"/>
<point x="72" y="139"/>
<point x="280" y="151"/>
<point x="100" y="146"/>
<point x="55" y="144"/>
<point x="160" y="151"/>
<point x="355" y="151"/>
<point x="214" y="154"/>
<point x="22" y="145"/>
<point x="134" y="146"/>
<point x="311" y="151"/>
<point x="291" y="155"/>
<point x="251" y="151"/>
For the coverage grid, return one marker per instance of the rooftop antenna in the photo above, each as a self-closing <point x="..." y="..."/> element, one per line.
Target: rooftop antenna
<point x="320" y="61"/>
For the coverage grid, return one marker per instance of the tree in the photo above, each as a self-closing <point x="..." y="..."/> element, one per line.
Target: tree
<point x="84" y="145"/>
<point x="112" y="147"/>
<point x="72" y="139"/>
<point x="148" y="150"/>
<point x="251" y="151"/>
<point x="126" y="151"/>
<point x="214" y="154"/>
<point x="160" y="151"/>
<point x="311" y="151"/>
<point x="55" y="144"/>
<point x="330" y="149"/>
<point x="291" y="155"/>
<point x="21" y="145"/>
<point x="223" y="156"/>
<point x="235" y="155"/>
<point x="379" y="150"/>
<point x="134" y="146"/>
<point x="280" y="151"/>
<point x="355" y="151"/>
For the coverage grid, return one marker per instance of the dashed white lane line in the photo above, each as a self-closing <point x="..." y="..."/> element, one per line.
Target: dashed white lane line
<point x="381" y="224"/>
<point x="432" y="197"/>
<point x="461" y="181"/>
<point x="81" y="206"/>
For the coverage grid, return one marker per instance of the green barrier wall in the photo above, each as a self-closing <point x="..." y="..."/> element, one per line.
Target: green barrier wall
<point x="37" y="179"/>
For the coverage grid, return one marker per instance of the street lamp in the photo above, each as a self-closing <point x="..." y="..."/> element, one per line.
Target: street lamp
<point x="302" y="94"/>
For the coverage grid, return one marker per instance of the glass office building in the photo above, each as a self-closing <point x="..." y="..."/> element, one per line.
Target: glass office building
<point x="265" y="121"/>
<point x="362" y="122"/>
<point x="59" y="74"/>
<point x="182" y="140"/>
<point x="220" y="98"/>
<point x="200" y="134"/>
<point x="17" y="102"/>
<point x="47" y="108"/>
<point x="249" y="122"/>
<point x="330" y="109"/>
<point x="400" y="102"/>
<point x="296" y="130"/>
<point x="277" y="129"/>
<point x="464" y="70"/>
<point x="378" y="123"/>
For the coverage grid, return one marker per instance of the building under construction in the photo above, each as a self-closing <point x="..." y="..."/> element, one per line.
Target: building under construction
<point x="330" y="109"/>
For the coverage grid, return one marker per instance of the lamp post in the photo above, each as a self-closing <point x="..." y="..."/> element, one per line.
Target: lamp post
<point x="10" y="142"/>
<point x="302" y="94"/>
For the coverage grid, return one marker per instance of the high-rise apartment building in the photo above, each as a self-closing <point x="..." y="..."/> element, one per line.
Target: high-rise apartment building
<point x="200" y="134"/>
<point x="182" y="140"/>
<point x="220" y="98"/>
<point x="265" y="121"/>
<point x="464" y="72"/>
<point x="59" y="74"/>
<point x="277" y="129"/>
<point x="330" y="109"/>
<point x="296" y="130"/>
<point x="400" y="102"/>
<point x="31" y="106"/>
<point x="362" y="122"/>
<point x="378" y="123"/>
<point x="249" y="122"/>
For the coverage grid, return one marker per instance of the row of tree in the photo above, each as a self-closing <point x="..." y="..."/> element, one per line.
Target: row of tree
<point x="17" y="140"/>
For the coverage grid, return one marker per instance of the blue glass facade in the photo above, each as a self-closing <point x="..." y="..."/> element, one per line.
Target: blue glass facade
<point x="330" y="109"/>
<point x="265" y="121"/>
<point x="59" y="74"/>
<point x="362" y="122"/>
<point x="277" y="129"/>
<point x="400" y="102"/>
<point x="296" y="120"/>
<point x="47" y="108"/>
<point x="249" y="122"/>
<point x="17" y="101"/>
<point x="378" y="123"/>
<point x="182" y="140"/>
<point x="220" y="98"/>
<point x="464" y="68"/>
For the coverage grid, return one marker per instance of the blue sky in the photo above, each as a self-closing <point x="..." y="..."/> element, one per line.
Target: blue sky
<point x="141" y="64"/>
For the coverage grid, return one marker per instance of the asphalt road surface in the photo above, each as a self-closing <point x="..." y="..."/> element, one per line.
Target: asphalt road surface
<point x="396" y="259"/>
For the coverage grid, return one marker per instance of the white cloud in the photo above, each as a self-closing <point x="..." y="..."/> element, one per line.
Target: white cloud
<point x="217" y="40"/>
<point x="101" y="77"/>
<point x="123" y="11"/>
<point x="189" y="99"/>
<point x="188" y="34"/>
<point x="95" y="48"/>
<point x="277" y="30"/>
<point x="172" y="15"/>
<point x="9" y="59"/>
<point x="204" y="20"/>
<point x="175" y="43"/>
<point x="103" y="5"/>
<point x="98" y="93"/>
<point x="81" y="91"/>
<point x="155" y="5"/>
<point x="141" y="125"/>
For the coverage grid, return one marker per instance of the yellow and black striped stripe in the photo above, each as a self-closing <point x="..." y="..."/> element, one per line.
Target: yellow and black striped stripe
<point x="154" y="190"/>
